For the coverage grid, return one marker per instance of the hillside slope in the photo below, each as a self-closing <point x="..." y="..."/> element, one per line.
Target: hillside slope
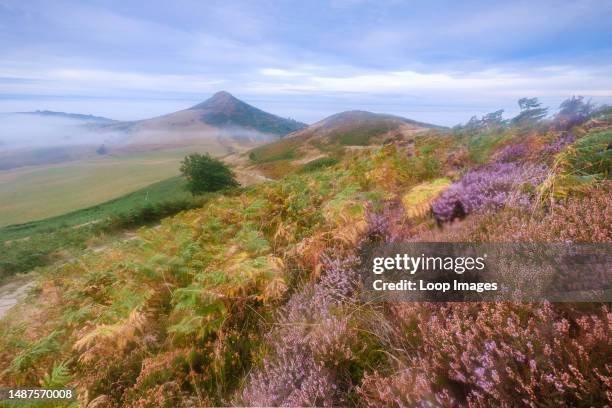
<point x="332" y="137"/>
<point x="225" y="111"/>
<point x="172" y="188"/>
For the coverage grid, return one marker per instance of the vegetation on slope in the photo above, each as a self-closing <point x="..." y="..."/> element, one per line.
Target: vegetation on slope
<point x="39" y="243"/>
<point x="284" y="149"/>
<point x="331" y="135"/>
<point x="318" y="164"/>
<point x="253" y="298"/>
<point x="204" y="273"/>
<point x="172" y="188"/>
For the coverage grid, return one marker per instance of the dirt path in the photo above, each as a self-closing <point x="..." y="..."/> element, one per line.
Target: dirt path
<point x="248" y="177"/>
<point x="13" y="291"/>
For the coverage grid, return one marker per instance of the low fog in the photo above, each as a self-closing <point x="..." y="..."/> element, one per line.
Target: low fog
<point x="28" y="139"/>
<point x="25" y="131"/>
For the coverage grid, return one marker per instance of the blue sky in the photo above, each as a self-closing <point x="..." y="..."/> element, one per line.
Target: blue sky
<point x="437" y="61"/>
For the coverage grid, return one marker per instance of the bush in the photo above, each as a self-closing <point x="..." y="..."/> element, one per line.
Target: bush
<point x="205" y="174"/>
<point x="318" y="164"/>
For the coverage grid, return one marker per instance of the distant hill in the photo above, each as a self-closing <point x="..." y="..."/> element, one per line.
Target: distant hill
<point x="224" y="110"/>
<point x="359" y="128"/>
<point x="345" y="129"/>
<point x="78" y="116"/>
<point x="220" y="118"/>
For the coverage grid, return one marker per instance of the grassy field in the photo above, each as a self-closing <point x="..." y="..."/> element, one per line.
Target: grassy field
<point x="40" y="192"/>
<point x="169" y="189"/>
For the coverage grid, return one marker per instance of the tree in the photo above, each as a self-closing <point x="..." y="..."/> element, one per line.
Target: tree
<point x="531" y="112"/>
<point x="573" y="111"/>
<point x="493" y="119"/>
<point x="205" y="173"/>
<point x="490" y="121"/>
<point x="473" y="124"/>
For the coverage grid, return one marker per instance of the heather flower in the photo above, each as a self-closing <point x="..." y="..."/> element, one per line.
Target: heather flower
<point x="577" y="219"/>
<point x="386" y="225"/>
<point x="308" y="343"/>
<point x="378" y="226"/>
<point x="511" y="153"/>
<point x="293" y="378"/>
<point x="492" y="186"/>
<point x="558" y="145"/>
<point x="481" y="355"/>
<point x="338" y="283"/>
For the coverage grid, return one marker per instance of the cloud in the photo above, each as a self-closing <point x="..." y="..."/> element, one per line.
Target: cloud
<point x="543" y="81"/>
<point x="278" y="72"/>
<point x="88" y="82"/>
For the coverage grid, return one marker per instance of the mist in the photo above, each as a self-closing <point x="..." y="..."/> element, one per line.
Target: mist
<point x="25" y="131"/>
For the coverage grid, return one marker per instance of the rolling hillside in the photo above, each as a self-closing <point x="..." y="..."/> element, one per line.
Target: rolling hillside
<point x="360" y="128"/>
<point x="170" y="189"/>
<point x="332" y="137"/>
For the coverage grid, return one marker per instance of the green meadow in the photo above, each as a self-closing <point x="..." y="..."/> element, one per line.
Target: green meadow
<point x="170" y="189"/>
<point x="36" y="193"/>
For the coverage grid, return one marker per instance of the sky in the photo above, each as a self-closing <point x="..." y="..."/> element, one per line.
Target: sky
<point x="439" y="61"/>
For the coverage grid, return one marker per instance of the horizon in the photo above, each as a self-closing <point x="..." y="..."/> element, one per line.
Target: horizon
<point x="314" y="61"/>
<point x="551" y="111"/>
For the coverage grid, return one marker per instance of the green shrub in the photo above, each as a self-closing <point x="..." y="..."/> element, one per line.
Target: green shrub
<point x="593" y="154"/>
<point x="480" y="146"/>
<point x="318" y="164"/>
<point x="206" y="174"/>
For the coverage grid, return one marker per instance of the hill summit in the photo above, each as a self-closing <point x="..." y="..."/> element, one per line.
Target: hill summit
<point x="225" y="110"/>
<point x="219" y="100"/>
